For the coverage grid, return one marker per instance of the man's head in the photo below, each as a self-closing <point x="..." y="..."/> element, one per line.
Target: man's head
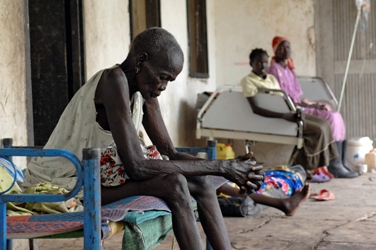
<point x="258" y="59"/>
<point x="158" y="60"/>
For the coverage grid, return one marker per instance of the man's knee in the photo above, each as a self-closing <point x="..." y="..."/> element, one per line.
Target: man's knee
<point x="203" y="181"/>
<point x="201" y="185"/>
<point x="177" y="185"/>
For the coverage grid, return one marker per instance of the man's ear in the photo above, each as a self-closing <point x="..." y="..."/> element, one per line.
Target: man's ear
<point x="142" y="57"/>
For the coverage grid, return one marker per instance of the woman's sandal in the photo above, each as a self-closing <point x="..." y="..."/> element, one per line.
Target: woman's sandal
<point x="323" y="170"/>
<point x="318" y="178"/>
<point x="325" y="195"/>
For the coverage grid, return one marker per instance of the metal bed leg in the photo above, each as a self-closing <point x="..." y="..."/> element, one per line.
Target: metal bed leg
<point x="33" y="244"/>
<point x="5" y="244"/>
<point x="92" y="199"/>
<point x="292" y="157"/>
<point x="9" y="244"/>
<point x="248" y="148"/>
<point x="212" y="155"/>
<point x="3" y="224"/>
<point x="208" y="246"/>
<point x="211" y="149"/>
<point x="7" y="143"/>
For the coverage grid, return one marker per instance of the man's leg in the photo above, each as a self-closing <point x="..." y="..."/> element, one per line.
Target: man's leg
<point x="202" y="189"/>
<point x="173" y="189"/>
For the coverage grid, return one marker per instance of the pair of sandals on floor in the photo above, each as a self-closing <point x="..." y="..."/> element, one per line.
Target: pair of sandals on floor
<point x="320" y="175"/>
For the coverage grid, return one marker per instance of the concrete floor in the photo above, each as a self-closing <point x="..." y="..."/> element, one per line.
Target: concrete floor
<point x="347" y="222"/>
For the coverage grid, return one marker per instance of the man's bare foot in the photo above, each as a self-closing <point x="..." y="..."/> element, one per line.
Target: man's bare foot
<point x="292" y="203"/>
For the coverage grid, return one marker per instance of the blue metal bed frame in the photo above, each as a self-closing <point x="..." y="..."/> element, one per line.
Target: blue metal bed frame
<point x="88" y="179"/>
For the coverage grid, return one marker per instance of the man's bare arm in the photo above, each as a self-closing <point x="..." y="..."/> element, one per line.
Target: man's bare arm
<point x="112" y="92"/>
<point x="157" y="131"/>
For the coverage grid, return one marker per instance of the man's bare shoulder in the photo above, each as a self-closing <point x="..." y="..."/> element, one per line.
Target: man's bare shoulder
<point x="112" y="83"/>
<point x="113" y="80"/>
<point x="114" y="74"/>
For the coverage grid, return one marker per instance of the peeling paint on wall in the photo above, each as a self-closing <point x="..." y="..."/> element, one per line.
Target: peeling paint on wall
<point x="253" y="24"/>
<point x="12" y="72"/>
<point x="107" y="34"/>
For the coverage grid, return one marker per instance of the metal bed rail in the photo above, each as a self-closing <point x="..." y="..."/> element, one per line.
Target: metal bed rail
<point x="88" y="179"/>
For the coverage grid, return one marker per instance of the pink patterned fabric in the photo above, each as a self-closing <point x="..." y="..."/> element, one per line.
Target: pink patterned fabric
<point x="112" y="169"/>
<point x="289" y="83"/>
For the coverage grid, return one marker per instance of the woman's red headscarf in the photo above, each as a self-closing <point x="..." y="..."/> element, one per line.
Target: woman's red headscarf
<point x="277" y="40"/>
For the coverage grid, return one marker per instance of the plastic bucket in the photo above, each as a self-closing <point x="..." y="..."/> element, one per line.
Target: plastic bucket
<point x="225" y="151"/>
<point x="357" y="148"/>
<point x="370" y="159"/>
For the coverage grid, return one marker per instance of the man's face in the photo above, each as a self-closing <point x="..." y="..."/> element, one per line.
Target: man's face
<point x="260" y="65"/>
<point x="283" y="51"/>
<point x="154" y="76"/>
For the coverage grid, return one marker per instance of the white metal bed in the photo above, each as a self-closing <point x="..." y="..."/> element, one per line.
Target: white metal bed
<point x="227" y="114"/>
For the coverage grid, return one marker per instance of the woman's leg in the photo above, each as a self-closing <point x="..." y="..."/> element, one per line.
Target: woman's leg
<point x="337" y="168"/>
<point x="319" y="146"/>
<point x="335" y="120"/>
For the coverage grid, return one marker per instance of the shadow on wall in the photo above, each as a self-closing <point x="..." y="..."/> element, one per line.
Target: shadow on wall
<point x="270" y="154"/>
<point x="187" y="127"/>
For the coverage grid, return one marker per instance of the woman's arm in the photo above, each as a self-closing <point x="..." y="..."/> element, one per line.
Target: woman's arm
<point x="305" y="102"/>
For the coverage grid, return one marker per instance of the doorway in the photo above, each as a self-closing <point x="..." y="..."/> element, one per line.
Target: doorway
<point x="56" y="61"/>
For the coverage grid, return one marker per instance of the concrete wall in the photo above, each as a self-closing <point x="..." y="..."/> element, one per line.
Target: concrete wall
<point x="13" y="110"/>
<point x="179" y="100"/>
<point x="12" y="71"/>
<point x="241" y="26"/>
<point x="107" y="33"/>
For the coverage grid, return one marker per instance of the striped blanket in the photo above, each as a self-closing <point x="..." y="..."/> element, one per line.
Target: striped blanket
<point x="50" y="224"/>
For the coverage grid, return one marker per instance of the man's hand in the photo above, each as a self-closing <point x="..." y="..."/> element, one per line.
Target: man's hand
<point x="245" y="173"/>
<point x="256" y="178"/>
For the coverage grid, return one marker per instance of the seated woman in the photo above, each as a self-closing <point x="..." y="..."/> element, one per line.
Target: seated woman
<point x="282" y="68"/>
<point x="319" y="147"/>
